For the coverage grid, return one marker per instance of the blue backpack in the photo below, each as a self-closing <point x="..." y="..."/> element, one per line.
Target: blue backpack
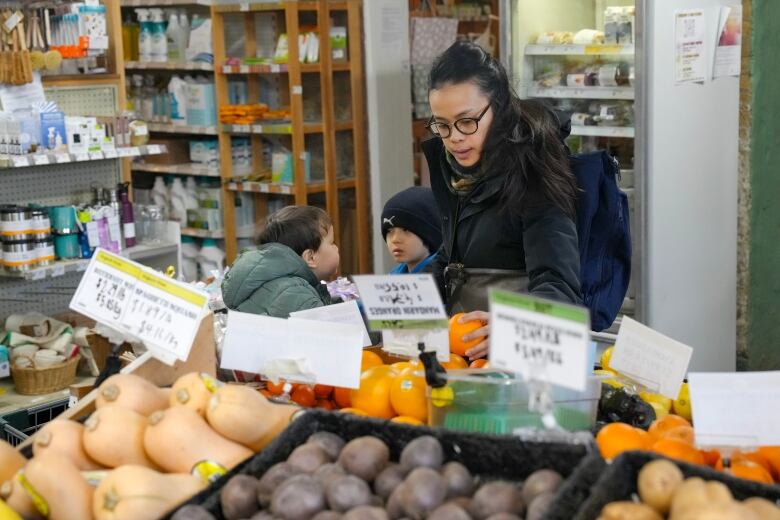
<point x="604" y="236"/>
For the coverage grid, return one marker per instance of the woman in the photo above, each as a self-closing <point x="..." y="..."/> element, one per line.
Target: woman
<point x="500" y="173"/>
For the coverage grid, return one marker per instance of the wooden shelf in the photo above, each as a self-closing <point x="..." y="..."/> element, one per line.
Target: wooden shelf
<point x="578" y="50"/>
<point x="34" y="159"/>
<point x="169" y="65"/>
<point x="582" y="92"/>
<point x="79" y="80"/>
<point x="194" y="169"/>
<point x="282" y="68"/>
<point x="281" y="128"/>
<point x="170" y="128"/>
<point x="284" y="189"/>
<point x="164" y="3"/>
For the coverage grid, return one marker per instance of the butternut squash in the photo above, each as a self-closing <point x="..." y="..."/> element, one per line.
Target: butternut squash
<point x="60" y="483"/>
<point x="194" y="390"/>
<point x="19" y="500"/>
<point x="178" y="438"/>
<point x="244" y="415"/>
<point x="11" y="461"/>
<point x="114" y="436"/>
<point x="64" y="437"/>
<point x="133" y="392"/>
<point x="138" y="493"/>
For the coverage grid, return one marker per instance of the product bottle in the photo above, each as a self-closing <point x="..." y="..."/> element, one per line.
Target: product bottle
<point x="184" y="25"/>
<point x="159" y="42"/>
<point x="211" y="258"/>
<point x="160" y="194"/>
<point x="173" y="38"/>
<point x="189" y="259"/>
<point x="126" y="212"/>
<point x="114" y="222"/>
<point x="178" y="201"/>
<point x="148" y="95"/>
<point x="177" y="92"/>
<point x="144" y="35"/>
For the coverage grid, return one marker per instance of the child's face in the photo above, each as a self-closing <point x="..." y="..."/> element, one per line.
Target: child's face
<point x="325" y="261"/>
<point x="405" y="246"/>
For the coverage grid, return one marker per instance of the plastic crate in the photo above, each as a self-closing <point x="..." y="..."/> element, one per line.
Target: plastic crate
<point x="18" y="426"/>
<point x="618" y="482"/>
<point x="486" y="456"/>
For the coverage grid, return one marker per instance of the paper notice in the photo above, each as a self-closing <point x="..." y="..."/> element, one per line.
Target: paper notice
<point x="690" y="47"/>
<point x="728" y="51"/>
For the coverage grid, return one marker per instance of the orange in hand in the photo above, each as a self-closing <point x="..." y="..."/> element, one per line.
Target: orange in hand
<point x="615" y="438"/>
<point x="458" y="330"/>
<point x="479" y="363"/>
<point x="455" y="363"/>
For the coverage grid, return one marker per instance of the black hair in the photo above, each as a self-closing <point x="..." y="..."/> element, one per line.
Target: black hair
<point x="298" y="227"/>
<point x="524" y="140"/>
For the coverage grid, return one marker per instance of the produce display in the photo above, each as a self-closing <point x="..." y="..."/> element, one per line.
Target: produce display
<point x="328" y="478"/>
<point x="143" y="451"/>
<point x="664" y="492"/>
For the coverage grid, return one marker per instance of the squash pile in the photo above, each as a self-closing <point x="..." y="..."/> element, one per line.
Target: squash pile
<point x="143" y="451"/>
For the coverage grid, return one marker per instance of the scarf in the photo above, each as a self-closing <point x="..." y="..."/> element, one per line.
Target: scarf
<point x="463" y="177"/>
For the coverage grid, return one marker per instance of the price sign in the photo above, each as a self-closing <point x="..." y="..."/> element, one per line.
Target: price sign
<point x="134" y="151"/>
<point x="131" y="298"/>
<point x="81" y="157"/>
<point x="95" y="156"/>
<point x="20" y="161"/>
<point x="123" y="152"/>
<point x="154" y="149"/>
<point x="409" y="301"/>
<point x="650" y="358"/>
<point x="57" y="270"/>
<point x="40" y="160"/>
<point x="542" y="340"/>
<point x="735" y="409"/>
<point x="62" y="158"/>
<point x="111" y="154"/>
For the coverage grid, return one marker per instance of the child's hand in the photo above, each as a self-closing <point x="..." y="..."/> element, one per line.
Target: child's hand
<point x="481" y="350"/>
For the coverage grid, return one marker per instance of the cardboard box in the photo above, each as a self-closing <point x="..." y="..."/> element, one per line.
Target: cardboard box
<point x="178" y="152"/>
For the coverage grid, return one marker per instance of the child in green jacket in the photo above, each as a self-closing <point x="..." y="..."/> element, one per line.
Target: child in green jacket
<point x="284" y="274"/>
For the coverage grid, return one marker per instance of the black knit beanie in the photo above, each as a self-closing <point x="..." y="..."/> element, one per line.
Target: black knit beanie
<point x="415" y="210"/>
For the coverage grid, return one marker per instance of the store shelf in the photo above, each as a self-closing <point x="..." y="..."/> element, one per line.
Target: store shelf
<point x="169" y="65"/>
<point x="177" y="169"/>
<point x="578" y="50"/>
<point x="163" y="3"/>
<point x="23" y="161"/>
<point x="603" y="131"/>
<point x="170" y="128"/>
<point x="248" y="7"/>
<point x="282" y="128"/>
<point x="61" y="267"/>
<point x="246" y="232"/>
<point x="282" y="68"/>
<point x="284" y="189"/>
<point x="581" y="92"/>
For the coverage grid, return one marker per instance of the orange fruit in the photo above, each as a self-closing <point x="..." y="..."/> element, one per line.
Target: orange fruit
<point x="323" y="391"/>
<point x="401" y="366"/>
<point x="373" y="396"/>
<point x="407" y="396"/>
<point x="412" y="368"/>
<point x="772" y="454"/>
<point x="304" y="396"/>
<point x="369" y="360"/>
<point x="479" y="363"/>
<point x="458" y="330"/>
<point x="747" y="469"/>
<point x="456" y="362"/>
<point x="325" y="404"/>
<point x="354" y="411"/>
<point x="681" y="433"/>
<point x="341" y="396"/>
<point x="756" y="457"/>
<point x="711" y="457"/>
<point x="666" y="423"/>
<point x="403" y="419"/>
<point x="275" y="388"/>
<point x="615" y="438"/>
<point x="677" y="449"/>
<point x="646" y="438"/>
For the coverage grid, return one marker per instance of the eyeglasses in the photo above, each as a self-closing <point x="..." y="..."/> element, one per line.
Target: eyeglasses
<point x="465" y="125"/>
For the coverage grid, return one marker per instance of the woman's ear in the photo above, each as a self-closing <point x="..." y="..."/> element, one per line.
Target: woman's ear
<point x="310" y="257"/>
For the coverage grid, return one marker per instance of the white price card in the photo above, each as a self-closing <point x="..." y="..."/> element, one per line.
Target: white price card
<point x="294" y="349"/>
<point x="134" y="151"/>
<point x="111" y="154"/>
<point x="95" y="156"/>
<point x="123" y="294"/>
<point x="405" y="342"/>
<point x="408" y="301"/>
<point x="542" y="340"/>
<point x="347" y="312"/>
<point x="81" y="157"/>
<point x="154" y="149"/>
<point x="41" y="160"/>
<point x="57" y="270"/>
<point x="62" y="158"/>
<point x="37" y="274"/>
<point x="734" y="409"/>
<point x="124" y="152"/>
<point x="650" y="358"/>
<point x="20" y="161"/>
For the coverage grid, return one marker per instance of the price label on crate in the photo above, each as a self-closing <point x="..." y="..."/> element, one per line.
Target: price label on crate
<point x="408" y="301"/>
<point x="133" y="299"/>
<point x="542" y="340"/>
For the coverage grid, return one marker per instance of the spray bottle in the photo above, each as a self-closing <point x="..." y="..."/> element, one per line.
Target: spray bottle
<point x="173" y="38"/>
<point x="159" y="42"/>
<point x="144" y="36"/>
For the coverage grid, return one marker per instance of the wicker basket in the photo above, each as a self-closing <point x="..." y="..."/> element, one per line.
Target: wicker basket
<point x="37" y="381"/>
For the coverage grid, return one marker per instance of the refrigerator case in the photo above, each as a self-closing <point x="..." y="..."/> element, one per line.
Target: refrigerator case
<point x="611" y="63"/>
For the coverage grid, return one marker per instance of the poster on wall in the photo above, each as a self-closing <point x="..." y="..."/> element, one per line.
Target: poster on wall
<point x="728" y="50"/>
<point x="690" y="47"/>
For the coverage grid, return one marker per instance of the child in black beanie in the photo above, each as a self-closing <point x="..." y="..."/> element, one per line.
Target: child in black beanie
<point x="411" y="227"/>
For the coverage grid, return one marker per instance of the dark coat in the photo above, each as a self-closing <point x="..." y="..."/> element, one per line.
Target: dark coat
<point x="541" y="241"/>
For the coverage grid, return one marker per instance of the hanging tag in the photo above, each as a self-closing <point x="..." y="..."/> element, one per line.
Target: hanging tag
<point x="13" y="21"/>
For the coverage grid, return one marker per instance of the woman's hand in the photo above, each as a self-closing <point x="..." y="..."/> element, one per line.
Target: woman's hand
<point x="481" y="350"/>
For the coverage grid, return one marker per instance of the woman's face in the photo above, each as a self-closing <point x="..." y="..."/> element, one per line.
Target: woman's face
<point x="456" y="101"/>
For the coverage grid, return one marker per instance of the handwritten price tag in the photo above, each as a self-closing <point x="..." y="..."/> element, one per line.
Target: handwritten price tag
<point x="401" y="301"/>
<point x="541" y="340"/>
<point x="129" y="297"/>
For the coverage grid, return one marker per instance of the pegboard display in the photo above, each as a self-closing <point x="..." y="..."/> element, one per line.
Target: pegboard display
<point x="57" y="184"/>
<point x="95" y="100"/>
<point x="48" y="296"/>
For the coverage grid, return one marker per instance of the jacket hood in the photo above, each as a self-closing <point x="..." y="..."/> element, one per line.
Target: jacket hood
<point x="253" y="269"/>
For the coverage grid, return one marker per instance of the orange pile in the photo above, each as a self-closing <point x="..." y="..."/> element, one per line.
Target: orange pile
<point x="242" y="114"/>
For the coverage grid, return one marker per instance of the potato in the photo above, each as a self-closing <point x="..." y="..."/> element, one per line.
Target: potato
<point x="263" y="515"/>
<point x="327" y="515"/>
<point x="449" y="511"/>
<point x="364" y="457"/>
<point x="330" y="442"/>
<point x="346" y="493"/>
<point x="540" y="481"/>
<point x="497" y="497"/>
<point x="763" y="508"/>
<point x="395" y="505"/>
<point x="657" y="482"/>
<point x="366" y="513"/>
<point x="238" y="497"/>
<point x="626" y="510"/>
<point x="424" y="491"/>
<point x="298" y="498"/>
<point x="538" y="507"/>
<point x="275" y="475"/>
<point x="695" y="493"/>
<point x="425" y="451"/>
<point x="458" y="479"/>
<point x="731" y="511"/>
<point x="191" y="512"/>
<point x="504" y="516"/>
<point x="306" y="458"/>
<point x="390" y="478"/>
<point x="329" y="472"/>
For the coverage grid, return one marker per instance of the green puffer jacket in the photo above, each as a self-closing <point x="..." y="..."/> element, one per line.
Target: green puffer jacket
<point x="273" y="281"/>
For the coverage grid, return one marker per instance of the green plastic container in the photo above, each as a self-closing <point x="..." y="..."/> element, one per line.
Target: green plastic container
<point x="496" y="402"/>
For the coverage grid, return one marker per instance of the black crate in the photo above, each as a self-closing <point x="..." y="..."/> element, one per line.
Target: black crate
<point x="487" y="456"/>
<point x="16" y="427"/>
<point x="618" y="482"/>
